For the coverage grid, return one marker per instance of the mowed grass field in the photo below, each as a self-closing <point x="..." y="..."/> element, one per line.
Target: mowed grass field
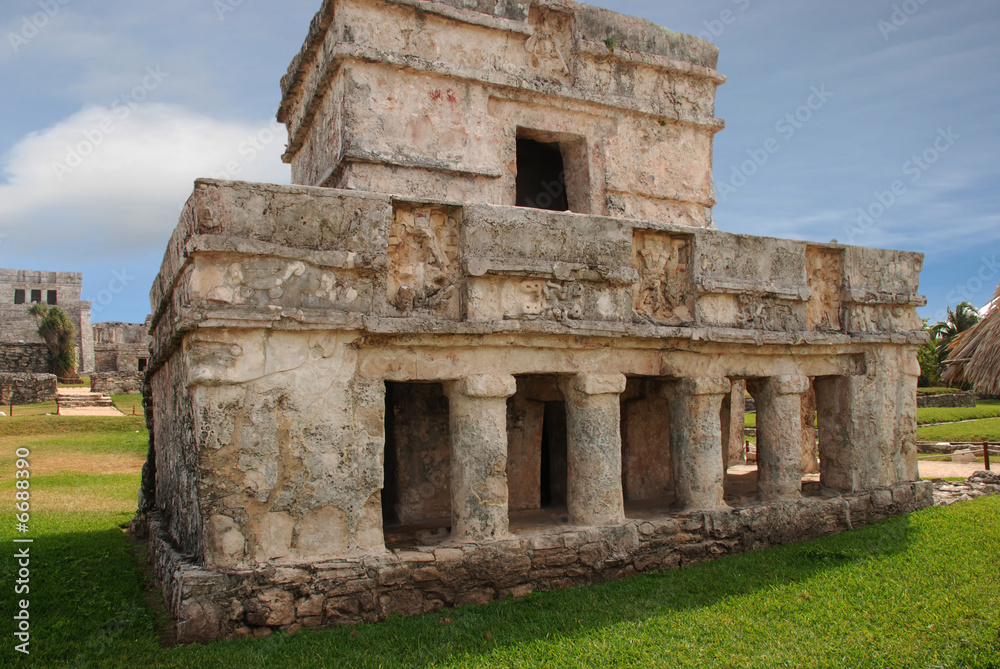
<point x="980" y="428"/>
<point x="921" y="590"/>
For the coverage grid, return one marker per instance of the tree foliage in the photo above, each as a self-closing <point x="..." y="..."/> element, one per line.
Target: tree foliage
<point x="933" y="354"/>
<point x="927" y="356"/>
<point x="59" y="335"/>
<point x="960" y="320"/>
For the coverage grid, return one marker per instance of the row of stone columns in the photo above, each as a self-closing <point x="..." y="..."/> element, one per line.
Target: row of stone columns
<point x="478" y="415"/>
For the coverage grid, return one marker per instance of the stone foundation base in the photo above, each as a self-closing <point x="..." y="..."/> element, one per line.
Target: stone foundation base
<point x="370" y="587"/>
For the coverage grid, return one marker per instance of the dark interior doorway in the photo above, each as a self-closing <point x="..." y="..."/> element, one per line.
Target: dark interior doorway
<point x="541" y="176"/>
<point x="555" y="463"/>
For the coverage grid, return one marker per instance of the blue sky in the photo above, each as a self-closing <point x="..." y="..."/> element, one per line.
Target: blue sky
<point x="867" y="121"/>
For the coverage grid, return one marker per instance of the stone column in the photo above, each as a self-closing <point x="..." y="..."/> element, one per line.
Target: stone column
<point x="594" y="444"/>
<point x="734" y="425"/>
<point x="477" y="408"/>
<point x="696" y="441"/>
<point x="779" y="435"/>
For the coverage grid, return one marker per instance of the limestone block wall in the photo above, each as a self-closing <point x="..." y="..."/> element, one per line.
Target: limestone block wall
<point x="957" y="400"/>
<point x="123" y="358"/>
<point x="27" y="388"/>
<point x="373" y="103"/>
<point x="25" y="359"/>
<point x="116" y="383"/>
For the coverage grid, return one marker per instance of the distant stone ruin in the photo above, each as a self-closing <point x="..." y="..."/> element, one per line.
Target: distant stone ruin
<point x="492" y="343"/>
<point x="22" y="351"/>
<point x="121" y="356"/>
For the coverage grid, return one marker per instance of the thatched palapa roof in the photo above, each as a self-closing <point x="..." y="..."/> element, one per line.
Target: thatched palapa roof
<point x="975" y="355"/>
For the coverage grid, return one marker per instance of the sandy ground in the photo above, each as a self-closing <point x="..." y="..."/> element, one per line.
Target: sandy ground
<point x="91" y="411"/>
<point x="928" y="470"/>
<point x="948" y="470"/>
<point x="73" y="391"/>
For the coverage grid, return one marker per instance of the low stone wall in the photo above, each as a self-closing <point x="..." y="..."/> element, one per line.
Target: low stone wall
<point x="27" y="388"/>
<point x="954" y="401"/>
<point x="979" y="484"/>
<point x="116" y="383"/>
<point x="25" y="359"/>
<point x="372" y="586"/>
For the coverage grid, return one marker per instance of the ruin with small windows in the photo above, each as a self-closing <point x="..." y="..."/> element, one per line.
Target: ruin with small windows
<point x="22" y="351"/>
<point x="492" y="342"/>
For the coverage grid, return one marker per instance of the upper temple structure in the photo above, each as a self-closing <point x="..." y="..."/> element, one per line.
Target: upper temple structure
<point x="491" y="342"/>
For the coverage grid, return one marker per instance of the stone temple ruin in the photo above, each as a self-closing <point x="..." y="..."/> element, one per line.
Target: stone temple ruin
<point x="492" y="343"/>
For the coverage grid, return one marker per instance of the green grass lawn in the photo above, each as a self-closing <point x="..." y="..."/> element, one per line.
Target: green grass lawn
<point x="916" y="591"/>
<point x="976" y="431"/>
<point x="983" y="409"/>
<point x="127" y="403"/>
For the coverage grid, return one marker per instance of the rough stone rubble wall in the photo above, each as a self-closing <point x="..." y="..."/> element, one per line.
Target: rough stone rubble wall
<point x="27" y="388"/>
<point x="25" y="359"/>
<point x="116" y="383"/>
<point x="955" y="401"/>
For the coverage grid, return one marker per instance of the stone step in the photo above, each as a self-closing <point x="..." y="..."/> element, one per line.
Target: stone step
<point x="78" y="401"/>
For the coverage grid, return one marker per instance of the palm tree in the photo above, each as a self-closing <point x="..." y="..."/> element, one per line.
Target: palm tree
<point x="964" y="317"/>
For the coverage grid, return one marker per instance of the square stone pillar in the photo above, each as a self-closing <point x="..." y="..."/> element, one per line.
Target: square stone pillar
<point x="477" y="408"/>
<point x="779" y="435"/>
<point x="594" y="444"/>
<point x="696" y="441"/>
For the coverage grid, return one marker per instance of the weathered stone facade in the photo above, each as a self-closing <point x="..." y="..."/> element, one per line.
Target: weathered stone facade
<point x="27" y="388"/>
<point x="121" y="347"/>
<point x="366" y="404"/>
<point x="18" y="289"/>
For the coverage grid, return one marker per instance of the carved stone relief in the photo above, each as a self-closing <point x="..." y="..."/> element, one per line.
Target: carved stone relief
<point x="665" y="293"/>
<point x="540" y="299"/>
<point x="767" y="313"/>
<point x="882" y="319"/>
<point x="423" y="262"/>
<point x="270" y="281"/>
<point x="549" y="45"/>
<point x="825" y="274"/>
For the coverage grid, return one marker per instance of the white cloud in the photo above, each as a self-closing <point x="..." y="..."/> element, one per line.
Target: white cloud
<point x="119" y="175"/>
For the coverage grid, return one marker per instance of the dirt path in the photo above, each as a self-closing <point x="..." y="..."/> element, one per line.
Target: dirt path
<point x="948" y="470"/>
